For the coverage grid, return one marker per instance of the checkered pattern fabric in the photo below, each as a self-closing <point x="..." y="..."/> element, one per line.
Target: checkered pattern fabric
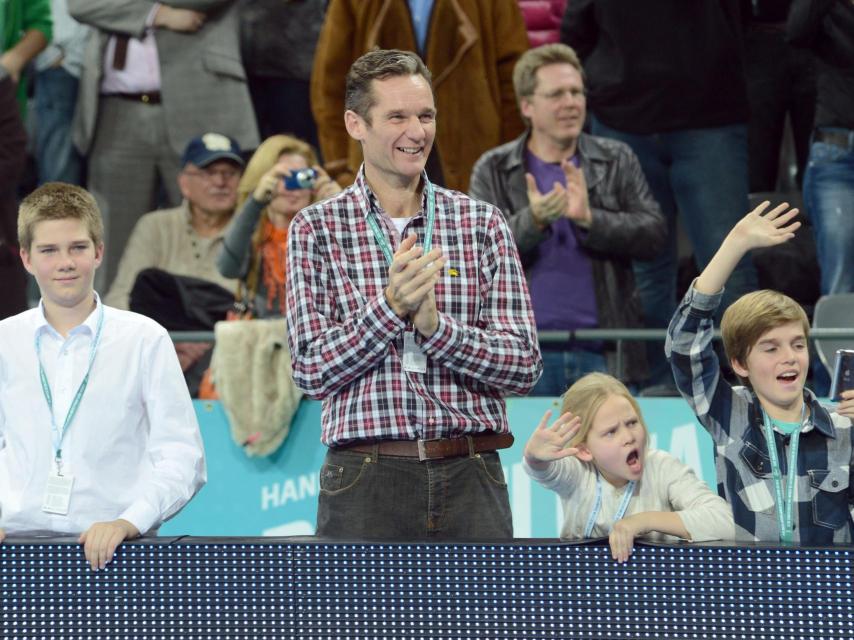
<point x="346" y="342"/>
<point x="824" y="492"/>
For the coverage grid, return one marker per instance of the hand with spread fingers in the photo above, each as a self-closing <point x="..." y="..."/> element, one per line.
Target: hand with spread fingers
<point x="548" y="207"/>
<point x="578" y="207"/>
<point x="412" y="277"/>
<point x="763" y="228"/>
<point x="101" y="540"/>
<point x="548" y="444"/>
<point x="759" y="228"/>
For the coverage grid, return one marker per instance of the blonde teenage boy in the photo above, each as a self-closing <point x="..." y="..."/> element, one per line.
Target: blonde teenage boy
<point x="98" y="436"/>
<point x="800" y="488"/>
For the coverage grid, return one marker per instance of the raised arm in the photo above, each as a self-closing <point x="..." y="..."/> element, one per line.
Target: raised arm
<point x="695" y="366"/>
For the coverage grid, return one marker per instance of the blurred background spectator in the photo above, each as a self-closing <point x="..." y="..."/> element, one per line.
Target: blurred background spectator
<point x="25" y="30"/>
<point x="186" y="240"/>
<point x="580" y="210"/>
<point x="667" y="78"/>
<point x="470" y="47"/>
<point x="154" y="76"/>
<point x="255" y="247"/>
<point x="827" y="28"/>
<point x="57" y="79"/>
<point x="13" y="144"/>
<point x="278" y="39"/>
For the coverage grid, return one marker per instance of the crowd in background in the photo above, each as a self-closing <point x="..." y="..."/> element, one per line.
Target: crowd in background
<point x="155" y="109"/>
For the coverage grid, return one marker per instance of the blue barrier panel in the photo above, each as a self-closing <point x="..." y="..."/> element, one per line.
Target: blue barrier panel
<point x="277" y="495"/>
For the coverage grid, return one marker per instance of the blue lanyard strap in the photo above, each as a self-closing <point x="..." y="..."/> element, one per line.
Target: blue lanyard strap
<point x="428" y="232"/>
<point x="58" y="434"/>
<point x="785" y="506"/>
<point x="597" y="504"/>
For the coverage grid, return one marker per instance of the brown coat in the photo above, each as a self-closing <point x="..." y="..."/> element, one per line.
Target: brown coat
<point x="472" y="46"/>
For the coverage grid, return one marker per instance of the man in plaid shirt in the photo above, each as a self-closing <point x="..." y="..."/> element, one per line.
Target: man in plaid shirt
<point x="408" y="314"/>
<point x="801" y="489"/>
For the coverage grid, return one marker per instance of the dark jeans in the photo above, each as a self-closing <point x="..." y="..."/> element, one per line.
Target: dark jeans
<point x="365" y="496"/>
<point x="55" y="99"/>
<point x="282" y="105"/>
<point x="829" y="198"/>
<point x="780" y="81"/>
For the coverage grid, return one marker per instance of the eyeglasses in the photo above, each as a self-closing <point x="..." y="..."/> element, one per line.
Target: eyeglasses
<point x="559" y="94"/>
<point x="208" y="175"/>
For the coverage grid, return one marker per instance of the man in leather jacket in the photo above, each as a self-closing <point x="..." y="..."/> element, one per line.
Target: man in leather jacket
<point x="580" y="211"/>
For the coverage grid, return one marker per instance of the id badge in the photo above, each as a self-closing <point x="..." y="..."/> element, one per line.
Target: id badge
<point x="414" y="359"/>
<point x="57" y="495"/>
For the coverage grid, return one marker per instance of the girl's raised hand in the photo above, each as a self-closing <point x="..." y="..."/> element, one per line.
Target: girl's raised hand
<point x="547" y="444"/>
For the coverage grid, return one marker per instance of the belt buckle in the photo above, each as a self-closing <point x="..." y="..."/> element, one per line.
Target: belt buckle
<point x="422" y="449"/>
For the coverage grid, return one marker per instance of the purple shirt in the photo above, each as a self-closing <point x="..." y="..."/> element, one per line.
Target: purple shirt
<point x="561" y="279"/>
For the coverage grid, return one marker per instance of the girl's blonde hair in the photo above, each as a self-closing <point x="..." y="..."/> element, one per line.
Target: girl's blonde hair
<point x="586" y="396"/>
<point x="264" y="158"/>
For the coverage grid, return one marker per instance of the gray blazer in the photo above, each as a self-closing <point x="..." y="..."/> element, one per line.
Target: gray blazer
<point x="203" y="84"/>
<point x="627" y="225"/>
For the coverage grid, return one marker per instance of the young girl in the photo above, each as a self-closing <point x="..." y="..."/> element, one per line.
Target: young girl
<point x="595" y="457"/>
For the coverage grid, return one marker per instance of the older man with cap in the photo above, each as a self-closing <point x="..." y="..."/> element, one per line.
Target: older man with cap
<point x="185" y="240"/>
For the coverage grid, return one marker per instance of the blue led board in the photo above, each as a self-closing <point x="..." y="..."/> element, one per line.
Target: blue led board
<point x="252" y="589"/>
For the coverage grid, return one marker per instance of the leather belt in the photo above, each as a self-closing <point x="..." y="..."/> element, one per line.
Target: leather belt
<point x="150" y="97"/>
<point x="434" y="449"/>
<point x="843" y="139"/>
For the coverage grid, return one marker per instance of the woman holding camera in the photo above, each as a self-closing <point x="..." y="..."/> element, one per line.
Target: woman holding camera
<point x="281" y="178"/>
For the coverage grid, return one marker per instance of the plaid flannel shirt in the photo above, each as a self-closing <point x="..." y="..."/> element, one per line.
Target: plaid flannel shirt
<point x="346" y="342"/>
<point x="824" y="491"/>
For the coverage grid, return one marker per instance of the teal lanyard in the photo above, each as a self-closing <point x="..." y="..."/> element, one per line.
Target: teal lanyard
<point x="597" y="504"/>
<point x="785" y="506"/>
<point x="428" y="232"/>
<point x="57" y="435"/>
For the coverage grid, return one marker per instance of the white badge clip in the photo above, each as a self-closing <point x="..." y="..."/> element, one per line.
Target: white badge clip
<point x="57" y="495"/>
<point x="414" y="359"/>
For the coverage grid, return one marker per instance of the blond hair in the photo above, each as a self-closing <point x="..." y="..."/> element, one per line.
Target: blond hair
<point x="59" y="201"/>
<point x="586" y="397"/>
<point x="752" y="316"/>
<point x="264" y="158"/>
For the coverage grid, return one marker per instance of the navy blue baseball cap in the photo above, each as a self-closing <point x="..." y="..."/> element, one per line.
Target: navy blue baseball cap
<point x="210" y="147"/>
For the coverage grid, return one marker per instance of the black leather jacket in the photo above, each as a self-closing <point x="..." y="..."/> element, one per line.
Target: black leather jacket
<point x="627" y="225"/>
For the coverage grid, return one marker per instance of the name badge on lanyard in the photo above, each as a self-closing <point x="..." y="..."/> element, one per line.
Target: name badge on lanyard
<point x="414" y="360"/>
<point x="57" y="497"/>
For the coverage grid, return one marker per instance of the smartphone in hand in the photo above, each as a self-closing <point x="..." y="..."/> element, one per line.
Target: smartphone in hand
<point x="843" y="374"/>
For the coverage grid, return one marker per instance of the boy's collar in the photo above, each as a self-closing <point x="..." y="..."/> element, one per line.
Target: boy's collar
<point x="90" y="323"/>
<point x="818" y="415"/>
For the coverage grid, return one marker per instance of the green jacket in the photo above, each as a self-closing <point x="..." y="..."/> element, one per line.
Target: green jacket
<point x="16" y="18"/>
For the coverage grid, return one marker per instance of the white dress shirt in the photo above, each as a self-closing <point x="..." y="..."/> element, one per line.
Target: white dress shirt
<point x="134" y="446"/>
<point x="665" y="485"/>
